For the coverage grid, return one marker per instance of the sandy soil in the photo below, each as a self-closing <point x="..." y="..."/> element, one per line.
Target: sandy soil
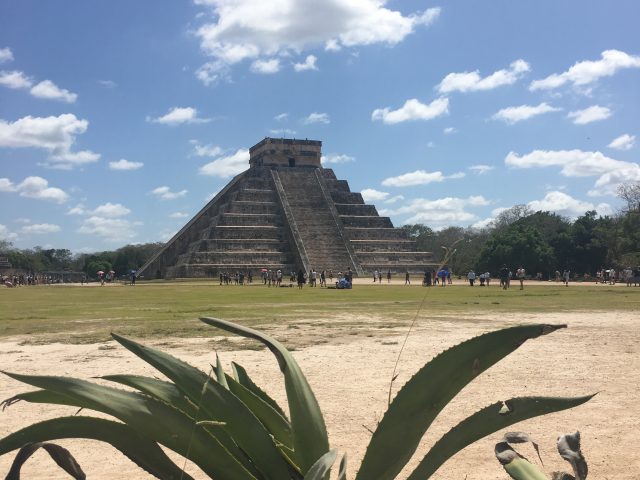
<point x="599" y="352"/>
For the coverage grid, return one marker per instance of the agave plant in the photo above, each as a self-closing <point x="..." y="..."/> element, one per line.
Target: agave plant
<point x="232" y="430"/>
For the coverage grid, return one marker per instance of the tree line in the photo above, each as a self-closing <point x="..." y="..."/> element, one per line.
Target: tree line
<point x="542" y="242"/>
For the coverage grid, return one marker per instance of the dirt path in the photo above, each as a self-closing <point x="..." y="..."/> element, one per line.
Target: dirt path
<point x="599" y="352"/>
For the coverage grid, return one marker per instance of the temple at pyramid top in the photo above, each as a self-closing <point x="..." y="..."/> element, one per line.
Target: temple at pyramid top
<point x="285" y="152"/>
<point x="286" y="212"/>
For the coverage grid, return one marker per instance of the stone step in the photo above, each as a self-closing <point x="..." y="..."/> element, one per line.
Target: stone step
<point x="356" y="209"/>
<point x="367" y="221"/>
<point x="249" y="219"/>
<point x="360" y="233"/>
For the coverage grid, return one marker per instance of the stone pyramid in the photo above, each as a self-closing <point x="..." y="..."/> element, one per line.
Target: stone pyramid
<point x="286" y="212"/>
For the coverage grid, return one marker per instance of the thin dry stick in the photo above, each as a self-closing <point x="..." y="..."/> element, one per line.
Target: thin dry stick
<point x="449" y="253"/>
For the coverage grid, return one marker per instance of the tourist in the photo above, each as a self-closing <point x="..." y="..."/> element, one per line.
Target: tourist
<point x="565" y="277"/>
<point x="471" y="276"/>
<point x="375" y="276"/>
<point x="389" y="276"/>
<point x="407" y="281"/>
<point x="520" y="274"/>
<point x="504" y="277"/>
<point x="313" y="278"/>
<point x="380" y="277"/>
<point x="330" y="276"/>
<point x="300" y="278"/>
<point x="323" y="278"/>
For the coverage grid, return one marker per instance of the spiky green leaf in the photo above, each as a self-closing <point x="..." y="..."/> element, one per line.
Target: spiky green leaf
<point x="141" y="450"/>
<point x="322" y="466"/>
<point x="515" y="465"/>
<point x="487" y="421"/>
<point x="425" y="395"/>
<point x="243" y="378"/>
<point x="310" y="438"/>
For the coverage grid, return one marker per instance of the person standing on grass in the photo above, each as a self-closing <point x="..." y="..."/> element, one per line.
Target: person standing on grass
<point x="471" y="276"/>
<point x="300" y="278"/>
<point x="388" y="276"/>
<point x="504" y="277"/>
<point x="565" y="277"/>
<point x="520" y="273"/>
<point x="407" y="281"/>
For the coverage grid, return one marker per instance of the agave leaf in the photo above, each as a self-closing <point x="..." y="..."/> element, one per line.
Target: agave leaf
<point x="144" y="452"/>
<point x="569" y="449"/>
<point x="487" y="421"/>
<point x="42" y="396"/>
<point x="165" y="391"/>
<point x="218" y="404"/>
<point x="521" y="437"/>
<point x="310" y="438"/>
<point x="60" y="455"/>
<point x="220" y="373"/>
<point x="342" y="471"/>
<point x="322" y="466"/>
<point x="276" y="424"/>
<point x="151" y="418"/>
<point x="515" y="465"/>
<point x="422" y="398"/>
<point x="242" y="377"/>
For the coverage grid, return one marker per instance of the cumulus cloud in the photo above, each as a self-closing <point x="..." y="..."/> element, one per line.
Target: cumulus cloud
<point x="449" y="130"/>
<point x="179" y="115"/>
<point x="589" y="71"/>
<point x="49" y="90"/>
<point x="372" y="195"/>
<point x="440" y="213"/>
<point x="282" y="132"/>
<point x="34" y="187"/>
<point x="578" y="163"/>
<point x="178" y="215"/>
<point x="565" y="205"/>
<point x="308" y="64"/>
<point x="481" y="169"/>
<point x="336" y="158"/>
<point x="228" y="166"/>
<point x="281" y="116"/>
<point x="6" y="234"/>
<point x="473" y="82"/>
<point x="54" y="134"/>
<point x="165" y="193"/>
<point x="110" y="229"/>
<point x="208" y="150"/>
<point x="123" y="164"/>
<point x="253" y="29"/>
<point x="419" y="177"/>
<point x="15" y="79"/>
<point x="513" y="115"/>
<point x="588" y="115"/>
<point x="623" y="142"/>
<point x="6" y="55"/>
<point x="266" y="67"/>
<point x="111" y="210"/>
<point x="317" y="118"/>
<point x="412" y="109"/>
<point x="40" y="229"/>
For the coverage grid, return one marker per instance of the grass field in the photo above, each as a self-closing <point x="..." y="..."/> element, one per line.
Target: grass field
<point x="82" y="314"/>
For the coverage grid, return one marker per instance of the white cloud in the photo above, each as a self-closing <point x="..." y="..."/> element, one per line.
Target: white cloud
<point x="110" y="210"/>
<point x="123" y="164"/>
<point x="412" y="109"/>
<point x="179" y="215"/>
<point x="513" y="115"/>
<point x="419" y="177"/>
<point x="6" y="55"/>
<point x="165" y="193"/>
<point x="590" y="114"/>
<point x="623" y="142"/>
<point x="440" y="213"/>
<point x="335" y="158"/>
<point x="472" y="81"/>
<point x="266" y="67"/>
<point x="49" y="90"/>
<point x="40" y="229"/>
<point x="578" y="163"/>
<point x="282" y="132"/>
<point x="449" y="130"/>
<point x="15" y="79"/>
<point x="110" y="229"/>
<point x="212" y="73"/>
<point x="309" y="64"/>
<point x="481" y="169"/>
<point x="179" y="115"/>
<point x="228" y="166"/>
<point x="565" y="205"/>
<point x="394" y="199"/>
<point x="588" y="71"/>
<point x="209" y="150"/>
<point x="108" y="83"/>
<point x="77" y="210"/>
<point x="34" y="187"/>
<point x="55" y="134"/>
<point x="280" y="117"/>
<point x="372" y="195"/>
<point x="317" y="118"/>
<point x="6" y="234"/>
<point x="254" y="29"/>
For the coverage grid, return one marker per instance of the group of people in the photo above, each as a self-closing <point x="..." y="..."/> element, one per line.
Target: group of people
<point x="277" y="278"/>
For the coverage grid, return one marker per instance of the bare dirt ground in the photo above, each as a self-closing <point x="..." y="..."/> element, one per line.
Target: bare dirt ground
<point x="350" y="374"/>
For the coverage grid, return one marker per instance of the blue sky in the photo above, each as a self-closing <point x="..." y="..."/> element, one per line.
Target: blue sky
<point x="119" y="120"/>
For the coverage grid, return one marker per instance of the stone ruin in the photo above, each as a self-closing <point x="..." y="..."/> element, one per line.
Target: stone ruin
<point x="286" y="212"/>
